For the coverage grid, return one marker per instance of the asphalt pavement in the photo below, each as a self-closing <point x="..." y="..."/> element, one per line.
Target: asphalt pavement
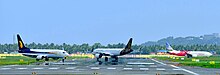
<point x="125" y="66"/>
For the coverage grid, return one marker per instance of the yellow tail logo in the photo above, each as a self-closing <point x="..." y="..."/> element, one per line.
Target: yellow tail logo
<point x="21" y="45"/>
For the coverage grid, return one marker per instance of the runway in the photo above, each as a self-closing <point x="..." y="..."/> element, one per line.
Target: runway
<point x="125" y="66"/>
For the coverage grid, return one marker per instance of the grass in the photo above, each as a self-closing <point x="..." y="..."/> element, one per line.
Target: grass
<point x="206" y="62"/>
<point x="16" y="60"/>
<point x="23" y="60"/>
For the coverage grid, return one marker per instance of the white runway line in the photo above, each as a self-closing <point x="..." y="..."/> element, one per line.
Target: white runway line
<point x="141" y="66"/>
<point x="54" y="68"/>
<point x="128" y="65"/>
<point x="5" y="68"/>
<point x="37" y="68"/>
<point x="10" y="65"/>
<point x="70" y="68"/>
<point x="144" y="68"/>
<point x="185" y="70"/>
<point x="139" y="63"/>
<point x="153" y="66"/>
<point x="159" y="62"/>
<point x="21" y="68"/>
<point x="160" y="69"/>
<point x="127" y="68"/>
<point x="80" y="69"/>
<point x="95" y="68"/>
<point x="111" y="68"/>
<point x="177" y="69"/>
<point x="174" y="66"/>
<point x="190" y="72"/>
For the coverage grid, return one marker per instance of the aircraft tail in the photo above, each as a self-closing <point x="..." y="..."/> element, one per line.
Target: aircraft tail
<point x="168" y="47"/>
<point x="127" y="48"/>
<point x="21" y="46"/>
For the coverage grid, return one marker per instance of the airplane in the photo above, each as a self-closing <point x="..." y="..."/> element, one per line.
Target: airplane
<point x="186" y="53"/>
<point x="112" y="52"/>
<point x="175" y="52"/>
<point x="40" y="54"/>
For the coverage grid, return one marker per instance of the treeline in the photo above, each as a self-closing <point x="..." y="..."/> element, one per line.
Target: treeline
<point x="86" y="48"/>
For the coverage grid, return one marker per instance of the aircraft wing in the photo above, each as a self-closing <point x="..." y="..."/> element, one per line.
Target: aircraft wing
<point x="32" y="54"/>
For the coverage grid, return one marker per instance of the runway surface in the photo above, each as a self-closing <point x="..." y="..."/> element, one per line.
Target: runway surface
<point x="125" y="66"/>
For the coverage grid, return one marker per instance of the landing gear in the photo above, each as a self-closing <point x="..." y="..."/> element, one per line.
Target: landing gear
<point x="46" y="59"/>
<point x="188" y="55"/>
<point x="116" y="59"/>
<point x="63" y="60"/>
<point x="99" y="62"/>
<point x="106" y="59"/>
<point x="97" y="59"/>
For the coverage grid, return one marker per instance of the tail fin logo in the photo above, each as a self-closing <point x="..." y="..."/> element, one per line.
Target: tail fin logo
<point x="21" y="45"/>
<point x="128" y="46"/>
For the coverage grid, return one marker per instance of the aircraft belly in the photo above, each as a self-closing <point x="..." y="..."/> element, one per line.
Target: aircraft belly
<point x="54" y="56"/>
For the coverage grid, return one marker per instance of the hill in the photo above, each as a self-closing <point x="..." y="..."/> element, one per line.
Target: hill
<point x="189" y="40"/>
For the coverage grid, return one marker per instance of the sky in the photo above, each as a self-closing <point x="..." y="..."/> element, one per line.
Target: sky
<point x="106" y="21"/>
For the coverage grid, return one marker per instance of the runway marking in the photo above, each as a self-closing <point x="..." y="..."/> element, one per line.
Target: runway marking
<point x="73" y="71"/>
<point x="185" y="70"/>
<point x="70" y="68"/>
<point x="111" y="68"/>
<point x="141" y="66"/>
<point x="159" y="62"/>
<point x="153" y="66"/>
<point x="160" y="69"/>
<point x="128" y="65"/>
<point x="5" y="68"/>
<point x="127" y="68"/>
<point x="139" y="63"/>
<point x="53" y="68"/>
<point x="144" y="68"/>
<point x="95" y="68"/>
<point x="37" y="68"/>
<point x="21" y="68"/>
<point x="177" y="69"/>
<point x="10" y="65"/>
<point x="80" y="69"/>
<point x="174" y="66"/>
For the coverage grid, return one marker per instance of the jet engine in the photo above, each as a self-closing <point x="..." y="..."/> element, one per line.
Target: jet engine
<point x="98" y="55"/>
<point x="39" y="57"/>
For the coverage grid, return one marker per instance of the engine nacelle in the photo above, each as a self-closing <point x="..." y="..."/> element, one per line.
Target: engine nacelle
<point x="194" y="55"/>
<point x="98" y="55"/>
<point x="40" y="57"/>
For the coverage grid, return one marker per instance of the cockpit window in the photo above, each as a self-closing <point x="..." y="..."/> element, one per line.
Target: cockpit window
<point x="63" y="52"/>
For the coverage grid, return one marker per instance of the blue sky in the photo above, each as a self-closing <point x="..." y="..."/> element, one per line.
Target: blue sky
<point x="106" y="21"/>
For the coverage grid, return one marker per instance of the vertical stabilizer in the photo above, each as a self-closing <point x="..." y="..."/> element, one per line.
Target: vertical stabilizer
<point x="20" y="43"/>
<point x="168" y="47"/>
<point x="127" y="48"/>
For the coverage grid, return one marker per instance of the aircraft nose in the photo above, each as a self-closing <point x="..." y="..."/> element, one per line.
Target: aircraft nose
<point x="67" y="54"/>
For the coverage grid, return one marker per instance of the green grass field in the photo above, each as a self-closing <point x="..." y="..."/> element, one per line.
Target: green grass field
<point x="16" y="60"/>
<point x="23" y="60"/>
<point x="206" y="62"/>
